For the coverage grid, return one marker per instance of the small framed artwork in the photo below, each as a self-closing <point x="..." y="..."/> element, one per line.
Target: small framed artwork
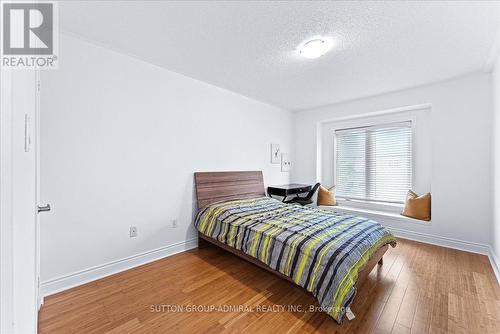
<point x="275" y="154"/>
<point x="285" y="162"/>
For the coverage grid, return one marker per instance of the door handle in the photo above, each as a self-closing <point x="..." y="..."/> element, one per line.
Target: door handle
<point x="44" y="208"/>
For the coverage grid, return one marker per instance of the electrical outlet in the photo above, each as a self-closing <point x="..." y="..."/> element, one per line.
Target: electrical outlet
<point x="174" y="223"/>
<point x="133" y="231"/>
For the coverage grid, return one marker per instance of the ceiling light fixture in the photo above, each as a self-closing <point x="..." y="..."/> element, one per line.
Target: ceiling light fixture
<point x="315" y="48"/>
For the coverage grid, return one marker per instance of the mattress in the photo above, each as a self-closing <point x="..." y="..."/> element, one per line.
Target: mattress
<point x="319" y="250"/>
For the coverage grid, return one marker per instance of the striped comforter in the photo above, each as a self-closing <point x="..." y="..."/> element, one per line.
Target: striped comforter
<point x="319" y="250"/>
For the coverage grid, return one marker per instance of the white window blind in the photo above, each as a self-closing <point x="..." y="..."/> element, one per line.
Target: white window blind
<point x="374" y="163"/>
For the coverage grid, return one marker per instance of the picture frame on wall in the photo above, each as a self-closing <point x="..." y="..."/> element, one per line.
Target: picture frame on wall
<point x="285" y="162"/>
<point x="275" y="154"/>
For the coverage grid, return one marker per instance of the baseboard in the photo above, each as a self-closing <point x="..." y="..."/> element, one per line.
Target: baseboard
<point x="84" y="276"/>
<point x="466" y="246"/>
<point x="495" y="264"/>
<point x="61" y="283"/>
<point x="40" y="300"/>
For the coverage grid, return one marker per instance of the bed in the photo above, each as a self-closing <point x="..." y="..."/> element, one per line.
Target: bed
<point x="327" y="254"/>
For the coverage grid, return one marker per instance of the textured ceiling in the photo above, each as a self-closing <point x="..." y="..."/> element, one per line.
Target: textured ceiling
<point x="249" y="47"/>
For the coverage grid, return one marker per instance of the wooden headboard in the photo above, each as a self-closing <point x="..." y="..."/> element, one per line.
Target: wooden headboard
<point x="219" y="186"/>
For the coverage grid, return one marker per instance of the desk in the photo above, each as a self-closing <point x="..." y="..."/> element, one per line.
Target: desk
<point x="288" y="190"/>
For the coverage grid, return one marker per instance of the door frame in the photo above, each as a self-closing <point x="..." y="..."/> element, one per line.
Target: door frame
<point x="6" y="233"/>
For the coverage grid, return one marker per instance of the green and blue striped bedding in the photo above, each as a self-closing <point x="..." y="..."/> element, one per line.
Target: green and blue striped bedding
<point x="319" y="250"/>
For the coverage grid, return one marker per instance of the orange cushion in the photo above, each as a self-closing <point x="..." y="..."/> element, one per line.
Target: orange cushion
<point x="418" y="207"/>
<point x="326" y="196"/>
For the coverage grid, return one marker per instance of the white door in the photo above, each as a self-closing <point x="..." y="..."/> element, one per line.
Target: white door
<point x="18" y="203"/>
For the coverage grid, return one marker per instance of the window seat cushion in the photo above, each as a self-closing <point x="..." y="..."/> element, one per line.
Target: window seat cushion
<point x="373" y="214"/>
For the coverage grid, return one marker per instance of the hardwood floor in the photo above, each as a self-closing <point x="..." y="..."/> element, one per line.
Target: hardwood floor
<point x="420" y="288"/>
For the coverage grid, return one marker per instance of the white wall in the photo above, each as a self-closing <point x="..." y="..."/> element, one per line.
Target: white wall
<point x="496" y="159"/>
<point x="120" y="141"/>
<point x="461" y="151"/>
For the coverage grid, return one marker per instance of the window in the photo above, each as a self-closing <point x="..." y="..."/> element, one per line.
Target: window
<point x="374" y="163"/>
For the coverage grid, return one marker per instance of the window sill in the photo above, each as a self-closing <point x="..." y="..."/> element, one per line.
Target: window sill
<point x="374" y="214"/>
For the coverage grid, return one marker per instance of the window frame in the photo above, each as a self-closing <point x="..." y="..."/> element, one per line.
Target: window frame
<point x="367" y="204"/>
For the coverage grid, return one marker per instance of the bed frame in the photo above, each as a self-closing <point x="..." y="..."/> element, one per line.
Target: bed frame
<point x="219" y="186"/>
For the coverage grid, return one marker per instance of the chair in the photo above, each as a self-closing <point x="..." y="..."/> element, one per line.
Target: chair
<point x="306" y="199"/>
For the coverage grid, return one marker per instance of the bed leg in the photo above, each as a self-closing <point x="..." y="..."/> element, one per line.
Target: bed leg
<point x="202" y="243"/>
<point x="381" y="261"/>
